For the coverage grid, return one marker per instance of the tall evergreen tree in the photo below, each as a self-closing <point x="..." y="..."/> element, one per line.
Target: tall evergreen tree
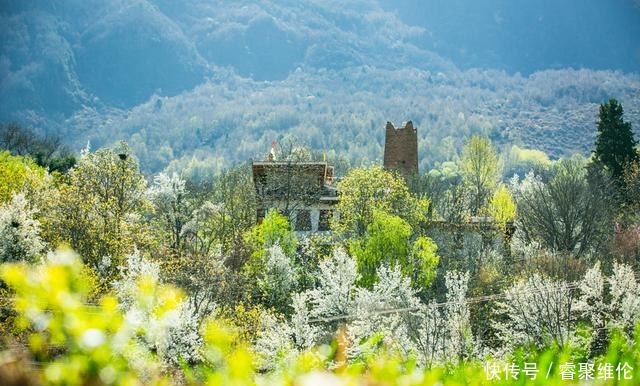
<point x="615" y="145"/>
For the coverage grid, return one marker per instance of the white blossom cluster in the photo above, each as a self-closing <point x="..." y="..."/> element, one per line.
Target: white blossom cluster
<point x="19" y="231"/>
<point x="390" y="311"/>
<point x="460" y="343"/>
<point x="174" y="335"/>
<point x="536" y="311"/>
<point x="539" y="312"/>
<point x="167" y="189"/>
<point x="612" y="302"/>
<point x="279" y="276"/>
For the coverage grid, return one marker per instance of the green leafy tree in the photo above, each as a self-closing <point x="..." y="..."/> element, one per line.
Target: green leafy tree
<point x="274" y="229"/>
<point x="218" y="214"/>
<point x="388" y="240"/>
<point x="365" y="190"/>
<point x="520" y="161"/>
<point x="18" y="173"/>
<point x="270" y="268"/>
<point x="235" y="192"/>
<point x="423" y="262"/>
<point x="100" y="209"/>
<point x="502" y="207"/>
<point x="480" y="168"/>
<point x="615" y="145"/>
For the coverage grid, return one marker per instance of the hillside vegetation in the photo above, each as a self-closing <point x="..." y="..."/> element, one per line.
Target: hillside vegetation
<point x="219" y="81"/>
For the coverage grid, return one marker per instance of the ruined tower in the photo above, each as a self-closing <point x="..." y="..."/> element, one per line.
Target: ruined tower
<point x="401" y="149"/>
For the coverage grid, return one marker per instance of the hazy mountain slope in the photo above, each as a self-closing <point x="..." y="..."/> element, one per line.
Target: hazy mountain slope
<point x="527" y="36"/>
<point x="266" y="40"/>
<point x="37" y="67"/>
<point x="57" y="56"/>
<point x="219" y="80"/>
<point x="134" y="51"/>
<point x="60" y="56"/>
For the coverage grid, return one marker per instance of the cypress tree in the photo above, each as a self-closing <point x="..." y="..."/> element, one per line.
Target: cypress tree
<point x="615" y="145"/>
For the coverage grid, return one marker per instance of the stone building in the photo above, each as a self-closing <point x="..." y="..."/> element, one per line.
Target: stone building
<point x="305" y="192"/>
<point x="401" y="149"/>
<point x="302" y="191"/>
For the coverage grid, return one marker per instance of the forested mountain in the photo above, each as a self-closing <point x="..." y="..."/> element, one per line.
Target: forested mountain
<point x="220" y="80"/>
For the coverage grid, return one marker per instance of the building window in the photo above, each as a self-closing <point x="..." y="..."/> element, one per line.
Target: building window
<point x="260" y="215"/>
<point x="325" y="219"/>
<point x="303" y="220"/>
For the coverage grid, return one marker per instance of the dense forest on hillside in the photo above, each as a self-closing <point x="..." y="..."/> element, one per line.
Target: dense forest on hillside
<point x="343" y="113"/>
<point x="214" y="84"/>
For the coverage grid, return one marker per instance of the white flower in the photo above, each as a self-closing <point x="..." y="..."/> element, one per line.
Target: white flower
<point x="92" y="338"/>
<point x="19" y="231"/>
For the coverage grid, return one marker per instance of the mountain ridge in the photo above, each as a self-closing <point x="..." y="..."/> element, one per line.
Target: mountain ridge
<point x="92" y="70"/>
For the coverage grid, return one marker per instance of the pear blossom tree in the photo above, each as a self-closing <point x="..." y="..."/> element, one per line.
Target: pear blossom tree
<point x="168" y="195"/>
<point x="19" y="231"/>
<point x="539" y="312"/>
<point x="174" y="334"/>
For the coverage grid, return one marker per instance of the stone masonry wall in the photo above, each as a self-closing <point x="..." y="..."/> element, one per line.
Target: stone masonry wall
<point x="401" y="149"/>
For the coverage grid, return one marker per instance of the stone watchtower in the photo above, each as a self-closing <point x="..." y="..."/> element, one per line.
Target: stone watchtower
<point x="401" y="149"/>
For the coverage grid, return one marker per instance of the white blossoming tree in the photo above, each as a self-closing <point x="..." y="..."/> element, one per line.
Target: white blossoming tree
<point x="609" y="303"/>
<point x="625" y="297"/>
<point x="278" y="278"/>
<point x="390" y="309"/>
<point x="389" y="313"/>
<point x="174" y="335"/>
<point x="336" y="291"/>
<point x="313" y="310"/>
<point x="461" y="344"/>
<point x="591" y="305"/>
<point x="431" y="336"/>
<point x="199" y="232"/>
<point x="169" y="198"/>
<point x="305" y="335"/>
<point x="19" y="231"/>
<point x="539" y="312"/>
<point x="274" y="344"/>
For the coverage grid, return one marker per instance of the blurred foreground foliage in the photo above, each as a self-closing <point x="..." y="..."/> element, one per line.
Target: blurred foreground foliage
<point x="73" y="339"/>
